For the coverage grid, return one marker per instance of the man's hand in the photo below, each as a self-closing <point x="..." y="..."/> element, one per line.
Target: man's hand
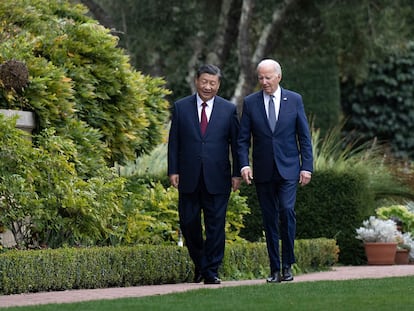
<point x="235" y="183"/>
<point x="247" y="175"/>
<point x="174" y="180"/>
<point x="304" y="178"/>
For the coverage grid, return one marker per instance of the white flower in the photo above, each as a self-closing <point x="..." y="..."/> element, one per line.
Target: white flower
<point x="378" y="230"/>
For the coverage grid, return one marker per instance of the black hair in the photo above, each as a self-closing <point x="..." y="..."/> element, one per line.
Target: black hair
<point x="210" y="69"/>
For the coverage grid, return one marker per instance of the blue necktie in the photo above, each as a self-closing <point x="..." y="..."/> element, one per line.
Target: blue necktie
<point x="272" y="114"/>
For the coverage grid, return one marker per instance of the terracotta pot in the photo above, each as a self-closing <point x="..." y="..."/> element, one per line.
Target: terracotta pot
<point x="402" y="257"/>
<point x="380" y="253"/>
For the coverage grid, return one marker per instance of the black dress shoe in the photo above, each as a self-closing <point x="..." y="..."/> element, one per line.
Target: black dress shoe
<point x="214" y="280"/>
<point x="287" y="274"/>
<point x="198" y="278"/>
<point x="274" y="278"/>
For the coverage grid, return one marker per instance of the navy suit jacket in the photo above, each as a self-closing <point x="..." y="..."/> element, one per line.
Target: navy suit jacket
<point x="189" y="151"/>
<point x="289" y="146"/>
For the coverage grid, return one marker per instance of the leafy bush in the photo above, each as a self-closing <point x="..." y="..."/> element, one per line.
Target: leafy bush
<point x="80" y="82"/>
<point x="44" y="202"/>
<point x="398" y="212"/>
<point x="99" y="267"/>
<point x="151" y="214"/>
<point x="382" y="106"/>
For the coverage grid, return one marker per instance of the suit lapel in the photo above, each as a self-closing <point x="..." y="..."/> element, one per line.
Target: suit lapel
<point x="213" y="116"/>
<point x="194" y="112"/>
<point x="283" y="103"/>
<point x="261" y="105"/>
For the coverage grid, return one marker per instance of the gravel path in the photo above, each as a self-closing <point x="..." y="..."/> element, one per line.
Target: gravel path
<point x="337" y="273"/>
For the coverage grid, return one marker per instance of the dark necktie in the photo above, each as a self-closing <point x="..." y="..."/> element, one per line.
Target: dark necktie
<point x="272" y="114"/>
<point x="204" y="122"/>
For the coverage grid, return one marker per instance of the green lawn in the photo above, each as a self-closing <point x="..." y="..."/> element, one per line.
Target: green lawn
<point x="395" y="294"/>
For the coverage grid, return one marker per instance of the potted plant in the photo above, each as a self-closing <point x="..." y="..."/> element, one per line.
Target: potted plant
<point x="403" y="215"/>
<point x="380" y="237"/>
<point x="404" y="248"/>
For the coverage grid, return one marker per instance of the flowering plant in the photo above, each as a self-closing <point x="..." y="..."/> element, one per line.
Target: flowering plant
<point x="406" y="241"/>
<point x="378" y="230"/>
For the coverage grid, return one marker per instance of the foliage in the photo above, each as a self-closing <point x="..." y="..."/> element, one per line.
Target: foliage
<point x="151" y="214"/>
<point x="333" y="41"/>
<point x="337" y="151"/>
<point x="157" y="34"/>
<point x="331" y="206"/>
<point x="378" y="230"/>
<point x="80" y="82"/>
<point x="44" y="202"/>
<point x="383" y="106"/>
<point x="102" y="267"/>
<point x="313" y="79"/>
<point x="398" y="212"/>
<point x="237" y="210"/>
<point x="18" y="195"/>
<point x="153" y="164"/>
<point x="362" y="31"/>
<point x="403" y="216"/>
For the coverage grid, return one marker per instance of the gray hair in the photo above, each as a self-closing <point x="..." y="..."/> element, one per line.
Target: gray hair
<point x="275" y="64"/>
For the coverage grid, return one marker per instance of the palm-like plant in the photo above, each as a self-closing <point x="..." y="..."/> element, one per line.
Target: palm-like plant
<point x="334" y="151"/>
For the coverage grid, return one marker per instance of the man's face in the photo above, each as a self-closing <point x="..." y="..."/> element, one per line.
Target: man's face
<point x="268" y="78"/>
<point x="207" y="86"/>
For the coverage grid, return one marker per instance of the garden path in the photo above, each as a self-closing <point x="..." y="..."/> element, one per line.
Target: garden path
<point x="337" y="273"/>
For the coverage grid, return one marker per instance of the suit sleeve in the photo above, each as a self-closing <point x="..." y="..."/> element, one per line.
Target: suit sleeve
<point x="173" y="143"/>
<point x="243" y="142"/>
<point x="304" y="140"/>
<point x="235" y="127"/>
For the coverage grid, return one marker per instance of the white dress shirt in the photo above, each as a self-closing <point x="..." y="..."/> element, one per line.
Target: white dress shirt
<point x="209" y="107"/>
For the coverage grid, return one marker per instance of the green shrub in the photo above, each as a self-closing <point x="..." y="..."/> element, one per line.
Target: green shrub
<point x="43" y="200"/>
<point x="80" y="81"/>
<point x="151" y="213"/>
<point x="382" y="106"/>
<point x="100" y="267"/>
<point x="332" y="206"/>
<point x="400" y="212"/>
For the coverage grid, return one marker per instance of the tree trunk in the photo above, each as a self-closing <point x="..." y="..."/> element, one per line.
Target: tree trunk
<point x="99" y="14"/>
<point x="247" y="60"/>
<point x="245" y="66"/>
<point x="198" y="46"/>
<point x="225" y="34"/>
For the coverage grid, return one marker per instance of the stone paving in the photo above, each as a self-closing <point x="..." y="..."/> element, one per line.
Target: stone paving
<point x="337" y="273"/>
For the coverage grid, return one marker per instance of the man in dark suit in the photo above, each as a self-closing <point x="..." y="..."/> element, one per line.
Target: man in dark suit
<point x="204" y="129"/>
<point x="282" y="156"/>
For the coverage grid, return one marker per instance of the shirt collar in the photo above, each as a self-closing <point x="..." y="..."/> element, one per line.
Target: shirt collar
<point x="276" y="94"/>
<point x="200" y="101"/>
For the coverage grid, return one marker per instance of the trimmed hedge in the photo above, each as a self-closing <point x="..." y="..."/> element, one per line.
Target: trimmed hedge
<point x="333" y="205"/>
<point x="101" y="267"/>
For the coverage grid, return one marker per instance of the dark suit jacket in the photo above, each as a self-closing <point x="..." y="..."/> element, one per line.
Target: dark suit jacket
<point x="289" y="145"/>
<point x="189" y="152"/>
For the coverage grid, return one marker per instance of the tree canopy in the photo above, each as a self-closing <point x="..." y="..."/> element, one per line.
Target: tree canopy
<point x="318" y="42"/>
